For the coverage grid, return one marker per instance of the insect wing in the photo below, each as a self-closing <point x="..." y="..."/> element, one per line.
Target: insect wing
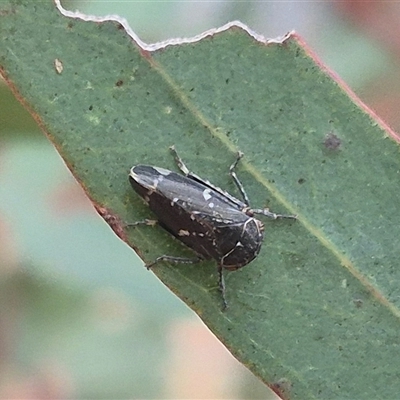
<point x="191" y="194"/>
<point x="197" y="215"/>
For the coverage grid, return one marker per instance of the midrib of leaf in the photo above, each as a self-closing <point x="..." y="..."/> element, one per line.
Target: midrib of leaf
<point x="185" y="101"/>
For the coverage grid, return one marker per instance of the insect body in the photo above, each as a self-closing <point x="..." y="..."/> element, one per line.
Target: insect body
<point x="210" y="221"/>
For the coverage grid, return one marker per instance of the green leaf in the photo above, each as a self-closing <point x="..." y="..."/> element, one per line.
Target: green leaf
<point x="317" y="313"/>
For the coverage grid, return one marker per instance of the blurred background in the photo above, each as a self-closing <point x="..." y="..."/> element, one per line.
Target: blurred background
<point x="79" y="315"/>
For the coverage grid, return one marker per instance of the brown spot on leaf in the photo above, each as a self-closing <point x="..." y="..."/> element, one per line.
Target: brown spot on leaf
<point x="332" y="142"/>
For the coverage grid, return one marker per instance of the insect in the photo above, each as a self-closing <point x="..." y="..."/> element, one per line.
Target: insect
<point x="205" y="218"/>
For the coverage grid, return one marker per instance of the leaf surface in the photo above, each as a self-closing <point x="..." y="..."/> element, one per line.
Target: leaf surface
<point x="317" y="313"/>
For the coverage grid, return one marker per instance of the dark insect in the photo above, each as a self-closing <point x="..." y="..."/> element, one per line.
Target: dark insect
<point x="205" y="218"/>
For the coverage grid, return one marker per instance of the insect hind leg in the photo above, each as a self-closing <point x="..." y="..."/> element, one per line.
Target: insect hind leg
<point x="269" y="214"/>
<point x="264" y="211"/>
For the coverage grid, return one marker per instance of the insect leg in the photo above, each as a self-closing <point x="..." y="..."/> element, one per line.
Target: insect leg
<point x="179" y="162"/>
<point x="236" y="179"/>
<point x="175" y="260"/>
<point x="269" y="214"/>
<point x="221" y="285"/>
<point x="150" y="222"/>
<point x="195" y="177"/>
<point x="185" y="170"/>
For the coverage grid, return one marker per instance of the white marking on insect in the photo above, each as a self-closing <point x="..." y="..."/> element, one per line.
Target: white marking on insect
<point x="174" y="201"/>
<point x="183" y="232"/>
<point x="207" y="194"/>
<point x="162" y="171"/>
<point x="211" y="205"/>
<point x="155" y="183"/>
<point x="133" y="174"/>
